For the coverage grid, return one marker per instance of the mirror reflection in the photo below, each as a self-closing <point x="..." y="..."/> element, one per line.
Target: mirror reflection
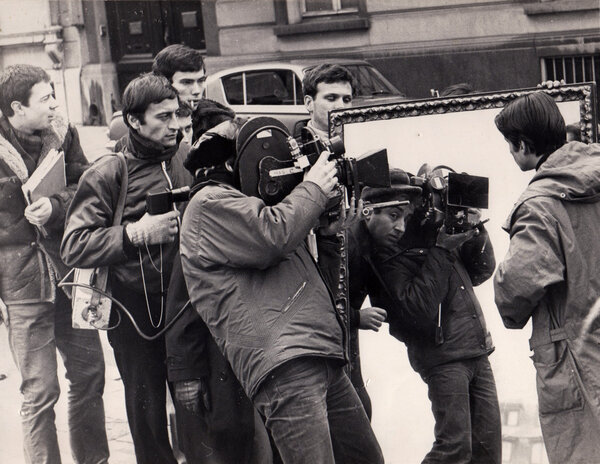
<point x="466" y="141"/>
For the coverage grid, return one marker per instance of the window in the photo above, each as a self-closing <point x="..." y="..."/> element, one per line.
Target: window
<point x="573" y="69"/>
<point x="234" y="89"/>
<point x="268" y="87"/>
<point x="507" y="451"/>
<point x="369" y="82"/>
<point x="512" y="418"/>
<point x="327" y="7"/>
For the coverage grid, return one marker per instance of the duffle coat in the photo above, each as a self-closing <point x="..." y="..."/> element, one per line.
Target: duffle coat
<point x="31" y="263"/>
<point x="254" y="282"/>
<point x="551" y="275"/>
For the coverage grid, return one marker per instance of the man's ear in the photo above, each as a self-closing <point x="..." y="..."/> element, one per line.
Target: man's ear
<point x="527" y="149"/>
<point x="309" y="103"/>
<point x="134" y="122"/>
<point x="16" y="106"/>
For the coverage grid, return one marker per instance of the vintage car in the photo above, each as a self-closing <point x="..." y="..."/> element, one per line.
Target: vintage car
<point x="275" y="89"/>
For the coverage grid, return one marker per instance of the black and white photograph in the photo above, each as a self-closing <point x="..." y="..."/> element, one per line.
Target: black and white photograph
<point x="299" y="232"/>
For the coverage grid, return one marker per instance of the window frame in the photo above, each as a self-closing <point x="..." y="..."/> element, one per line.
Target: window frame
<point x="336" y="9"/>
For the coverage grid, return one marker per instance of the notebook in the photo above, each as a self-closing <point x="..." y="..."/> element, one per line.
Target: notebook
<point x="47" y="179"/>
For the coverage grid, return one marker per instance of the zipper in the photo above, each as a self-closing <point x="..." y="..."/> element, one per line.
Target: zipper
<point x="294" y="297"/>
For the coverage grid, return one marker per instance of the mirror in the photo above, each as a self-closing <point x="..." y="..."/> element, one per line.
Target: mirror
<point x="459" y="132"/>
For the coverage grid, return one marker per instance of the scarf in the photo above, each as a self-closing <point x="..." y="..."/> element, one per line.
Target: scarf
<point x="145" y="149"/>
<point x="28" y="146"/>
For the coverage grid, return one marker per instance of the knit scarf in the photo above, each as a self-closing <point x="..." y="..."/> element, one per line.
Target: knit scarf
<point x="146" y="149"/>
<point x="28" y="146"/>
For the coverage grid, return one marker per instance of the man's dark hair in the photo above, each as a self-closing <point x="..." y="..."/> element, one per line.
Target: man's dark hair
<point x="175" y="58"/>
<point x="327" y="73"/>
<point x="142" y="91"/>
<point x="16" y="82"/>
<point x="462" y="88"/>
<point x="535" y="120"/>
<point x="184" y="110"/>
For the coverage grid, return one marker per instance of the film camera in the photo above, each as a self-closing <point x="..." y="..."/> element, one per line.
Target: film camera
<point x="163" y="201"/>
<point x="448" y="196"/>
<point x="271" y="163"/>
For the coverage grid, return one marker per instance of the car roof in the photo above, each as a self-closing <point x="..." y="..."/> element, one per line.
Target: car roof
<point x="298" y="65"/>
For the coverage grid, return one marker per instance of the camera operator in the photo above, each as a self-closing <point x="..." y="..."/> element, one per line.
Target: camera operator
<point x="426" y="280"/>
<point x="252" y="279"/>
<point x="139" y="252"/>
<point x="215" y="421"/>
<point x="550" y="273"/>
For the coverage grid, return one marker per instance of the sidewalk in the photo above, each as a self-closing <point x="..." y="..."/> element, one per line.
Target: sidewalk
<point x="93" y="140"/>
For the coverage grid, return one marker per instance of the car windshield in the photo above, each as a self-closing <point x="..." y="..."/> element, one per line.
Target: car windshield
<point x="370" y="82"/>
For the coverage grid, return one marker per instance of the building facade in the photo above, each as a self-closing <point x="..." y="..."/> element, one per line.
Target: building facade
<point x="93" y="48"/>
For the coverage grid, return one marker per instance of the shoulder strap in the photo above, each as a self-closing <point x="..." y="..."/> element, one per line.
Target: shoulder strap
<point x="100" y="275"/>
<point x="118" y="215"/>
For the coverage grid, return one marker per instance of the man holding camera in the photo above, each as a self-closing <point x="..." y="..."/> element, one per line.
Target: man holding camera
<point x="215" y="421"/>
<point x="254" y="282"/>
<point x="425" y="279"/>
<point x="37" y="315"/>
<point x="551" y="272"/>
<point x="139" y="252"/>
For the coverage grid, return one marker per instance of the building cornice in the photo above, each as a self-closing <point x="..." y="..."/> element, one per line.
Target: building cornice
<point x="51" y="35"/>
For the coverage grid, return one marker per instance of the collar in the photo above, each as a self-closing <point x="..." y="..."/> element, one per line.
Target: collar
<point x="145" y="149"/>
<point x="321" y="133"/>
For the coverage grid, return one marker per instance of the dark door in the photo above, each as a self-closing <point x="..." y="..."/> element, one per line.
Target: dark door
<point x="140" y="29"/>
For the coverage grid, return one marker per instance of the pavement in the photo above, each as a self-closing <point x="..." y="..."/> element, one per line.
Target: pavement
<point x="93" y="141"/>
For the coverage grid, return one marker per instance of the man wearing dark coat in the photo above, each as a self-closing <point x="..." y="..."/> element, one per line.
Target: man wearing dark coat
<point x="36" y="313"/>
<point x="139" y="253"/>
<point x="426" y="279"/>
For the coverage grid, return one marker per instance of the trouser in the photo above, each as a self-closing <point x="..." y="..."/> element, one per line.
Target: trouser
<point x="142" y="365"/>
<point x="35" y="332"/>
<point x="467" y="416"/>
<point x="225" y="434"/>
<point x="315" y="415"/>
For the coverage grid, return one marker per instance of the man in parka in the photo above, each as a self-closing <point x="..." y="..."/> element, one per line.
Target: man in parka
<point x="139" y="251"/>
<point x="215" y="419"/>
<point x="37" y="314"/>
<point x="253" y="280"/>
<point x="551" y="273"/>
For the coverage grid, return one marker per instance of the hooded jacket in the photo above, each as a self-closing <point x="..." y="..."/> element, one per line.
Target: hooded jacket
<point x="551" y="275"/>
<point x="254" y="282"/>
<point x="31" y="263"/>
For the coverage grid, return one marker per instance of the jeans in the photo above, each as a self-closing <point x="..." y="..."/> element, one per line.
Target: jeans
<point x="315" y="415"/>
<point x="467" y="416"/>
<point x="35" y="332"/>
<point x="143" y="369"/>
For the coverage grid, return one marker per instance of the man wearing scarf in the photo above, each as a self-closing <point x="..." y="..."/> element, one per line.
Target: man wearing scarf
<point x="139" y="252"/>
<point x="37" y="316"/>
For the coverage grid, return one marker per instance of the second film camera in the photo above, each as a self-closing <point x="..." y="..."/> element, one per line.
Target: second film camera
<point x="448" y="196"/>
<point x="271" y="163"/>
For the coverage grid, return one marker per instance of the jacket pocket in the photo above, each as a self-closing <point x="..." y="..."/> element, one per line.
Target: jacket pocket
<point x="557" y="386"/>
<point x="291" y="300"/>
